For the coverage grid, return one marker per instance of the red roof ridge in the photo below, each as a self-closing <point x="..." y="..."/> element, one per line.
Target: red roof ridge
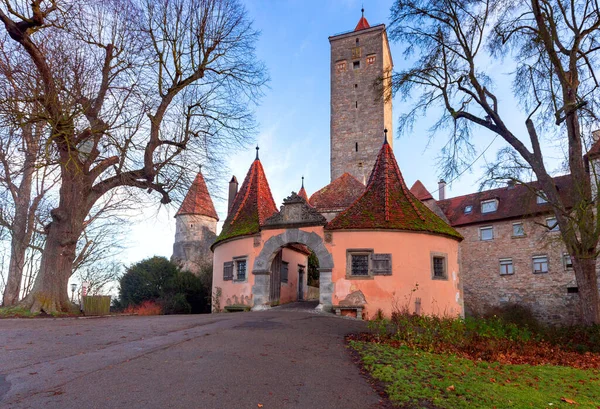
<point x="197" y="201"/>
<point x="338" y="194"/>
<point x="420" y="191"/>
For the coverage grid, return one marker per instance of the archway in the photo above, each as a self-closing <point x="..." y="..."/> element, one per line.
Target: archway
<point x="262" y="266"/>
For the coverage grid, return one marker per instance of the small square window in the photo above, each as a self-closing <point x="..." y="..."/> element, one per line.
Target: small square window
<point x="518" y="230"/>
<point x="540" y="264"/>
<point x="488" y="206"/>
<point x="486" y="233"/>
<point x="356" y="65"/>
<point x="541" y="198"/>
<point x="438" y="267"/>
<point x="572" y="290"/>
<point x="567" y="261"/>
<point x="552" y="224"/>
<point x="506" y="266"/>
<point x="360" y="264"/>
<point x="240" y="270"/>
<point x="468" y="209"/>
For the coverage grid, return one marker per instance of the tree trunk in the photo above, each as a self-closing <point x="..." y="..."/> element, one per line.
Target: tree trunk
<point x="21" y="233"/>
<point x="587" y="282"/>
<point x="50" y="291"/>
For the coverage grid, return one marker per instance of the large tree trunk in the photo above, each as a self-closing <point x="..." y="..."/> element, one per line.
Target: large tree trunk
<point x="50" y="290"/>
<point x="587" y="281"/>
<point x="21" y="228"/>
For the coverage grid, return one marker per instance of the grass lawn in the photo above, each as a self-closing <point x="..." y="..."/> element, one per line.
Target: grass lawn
<point x="423" y="379"/>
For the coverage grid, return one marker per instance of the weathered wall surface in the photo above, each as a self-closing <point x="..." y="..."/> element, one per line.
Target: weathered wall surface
<point x="194" y="235"/>
<point x="411" y="270"/>
<point x="234" y="291"/>
<point x="545" y="294"/>
<point x="359" y="114"/>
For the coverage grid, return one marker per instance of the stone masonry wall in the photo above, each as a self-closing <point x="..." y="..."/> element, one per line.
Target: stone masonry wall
<point x="358" y="112"/>
<point x="545" y="294"/>
<point x="194" y="234"/>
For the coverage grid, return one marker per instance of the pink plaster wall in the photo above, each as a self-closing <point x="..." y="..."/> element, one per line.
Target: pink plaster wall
<point x="411" y="265"/>
<point x="289" y="290"/>
<point x="234" y="292"/>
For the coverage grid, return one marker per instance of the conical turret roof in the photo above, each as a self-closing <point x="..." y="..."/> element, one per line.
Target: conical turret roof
<point x="302" y="192"/>
<point x="252" y="205"/>
<point x="197" y="200"/>
<point x="388" y="204"/>
<point x="420" y="191"/>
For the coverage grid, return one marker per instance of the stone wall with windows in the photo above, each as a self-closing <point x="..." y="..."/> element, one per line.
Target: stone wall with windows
<point x="521" y="263"/>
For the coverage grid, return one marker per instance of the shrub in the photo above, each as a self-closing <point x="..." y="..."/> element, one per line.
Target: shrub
<point x="145" y="308"/>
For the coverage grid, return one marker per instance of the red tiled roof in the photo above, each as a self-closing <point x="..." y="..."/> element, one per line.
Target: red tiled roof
<point x="302" y="194"/>
<point x="362" y="24"/>
<point x="388" y="204"/>
<point x="420" y="191"/>
<point x="337" y="195"/>
<point x="252" y="205"/>
<point x="197" y="200"/>
<point x="513" y="202"/>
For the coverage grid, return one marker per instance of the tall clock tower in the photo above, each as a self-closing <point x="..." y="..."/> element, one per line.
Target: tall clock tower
<point x="359" y="113"/>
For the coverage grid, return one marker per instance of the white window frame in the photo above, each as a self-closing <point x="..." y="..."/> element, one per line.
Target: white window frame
<point x="468" y="209"/>
<point x="566" y="261"/>
<point x="507" y="262"/>
<point x="541" y="198"/>
<point x="522" y="229"/>
<point x="555" y="227"/>
<point x="538" y="258"/>
<point x="487" y="202"/>
<point x="481" y="229"/>
<point x="237" y="260"/>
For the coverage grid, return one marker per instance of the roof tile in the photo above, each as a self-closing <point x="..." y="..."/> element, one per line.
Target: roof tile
<point x="337" y="195"/>
<point x="388" y="204"/>
<point x="197" y="200"/>
<point x="420" y="191"/>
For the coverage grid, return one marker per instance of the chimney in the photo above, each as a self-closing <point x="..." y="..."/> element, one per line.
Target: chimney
<point x="442" y="189"/>
<point x="596" y="135"/>
<point x="233" y="189"/>
<point x="510" y="184"/>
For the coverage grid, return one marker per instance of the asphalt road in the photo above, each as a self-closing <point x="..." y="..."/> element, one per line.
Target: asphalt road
<point x="277" y="359"/>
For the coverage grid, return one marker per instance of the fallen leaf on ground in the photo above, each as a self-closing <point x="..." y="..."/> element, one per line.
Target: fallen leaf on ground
<point x="450" y="388"/>
<point x="571" y="401"/>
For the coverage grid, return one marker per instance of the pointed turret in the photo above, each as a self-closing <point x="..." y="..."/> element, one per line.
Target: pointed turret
<point x="302" y="192"/>
<point x="197" y="200"/>
<point x="388" y="204"/>
<point x="253" y="204"/>
<point x="362" y="23"/>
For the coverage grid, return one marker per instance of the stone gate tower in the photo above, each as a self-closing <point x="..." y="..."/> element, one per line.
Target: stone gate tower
<point x="195" y="229"/>
<point x="359" y="114"/>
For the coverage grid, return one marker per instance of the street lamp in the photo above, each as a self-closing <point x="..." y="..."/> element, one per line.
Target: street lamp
<point x="73" y="288"/>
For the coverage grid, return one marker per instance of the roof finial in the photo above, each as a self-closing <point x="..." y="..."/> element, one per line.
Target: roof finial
<point x="302" y="180"/>
<point x="257" y="148"/>
<point x="200" y="168"/>
<point x="385" y="141"/>
<point x="362" y="10"/>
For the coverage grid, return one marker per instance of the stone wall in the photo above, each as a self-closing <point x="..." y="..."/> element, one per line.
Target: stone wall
<point x="194" y="234"/>
<point x="359" y="114"/>
<point x="545" y="294"/>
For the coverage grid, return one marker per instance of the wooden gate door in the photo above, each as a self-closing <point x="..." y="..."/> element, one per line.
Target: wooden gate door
<point x="301" y="284"/>
<point x="276" y="278"/>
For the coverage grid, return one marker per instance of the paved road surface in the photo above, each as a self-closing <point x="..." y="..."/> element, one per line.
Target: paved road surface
<point x="283" y="358"/>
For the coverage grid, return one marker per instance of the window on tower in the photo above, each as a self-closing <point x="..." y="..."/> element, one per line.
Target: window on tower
<point x="340" y="66"/>
<point x="370" y="59"/>
<point x="356" y="146"/>
<point x="356" y="65"/>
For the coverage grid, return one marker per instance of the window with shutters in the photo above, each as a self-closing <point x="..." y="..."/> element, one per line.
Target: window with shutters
<point x="358" y="263"/>
<point x="284" y="271"/>
<point x="382" y="264"/>
<point x="228" y="271"/>
<point x="240" y="269"/>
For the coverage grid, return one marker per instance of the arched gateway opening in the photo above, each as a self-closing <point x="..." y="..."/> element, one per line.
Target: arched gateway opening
<point x="296" y="223"/>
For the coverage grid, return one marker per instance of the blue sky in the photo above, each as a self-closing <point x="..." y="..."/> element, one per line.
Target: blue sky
<point x="294" y="114"/>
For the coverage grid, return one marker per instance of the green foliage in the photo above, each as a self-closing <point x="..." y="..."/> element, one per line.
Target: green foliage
<point x="157" y="279"/>
<point x="421" y="379"/>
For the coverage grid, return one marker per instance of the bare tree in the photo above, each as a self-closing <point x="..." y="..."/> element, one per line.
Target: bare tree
<point x="133" y="92"/>
<point x="555" y="48"/>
